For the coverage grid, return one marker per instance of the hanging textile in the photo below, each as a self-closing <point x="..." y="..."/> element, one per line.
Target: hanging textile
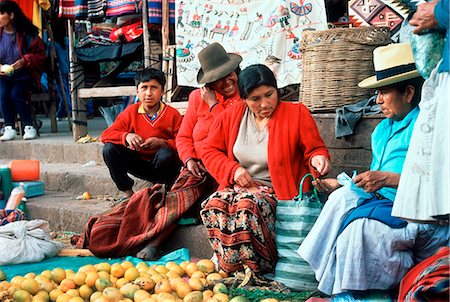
<point x="125" y="7"/>
<point x="390" y="13"/>
<point x="261" y="31"/>
<point x="73" y="9"/>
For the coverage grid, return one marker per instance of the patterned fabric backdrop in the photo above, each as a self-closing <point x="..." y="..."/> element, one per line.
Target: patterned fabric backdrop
<point x="261" y="31"/>
<point x="390" y="13"/>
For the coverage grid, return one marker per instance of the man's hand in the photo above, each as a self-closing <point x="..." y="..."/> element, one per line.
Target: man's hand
<point x="372" y="181"/>
<point x="134" y="141"/>
<point x="243" y="178"/>
<point x="326" y="185"/>
<point x="195" y="169"/>
<point x="321" y="164"/>
<point x="153" y="143"/>
<point x="424" y="17"/>
<point x="208" y="95"/>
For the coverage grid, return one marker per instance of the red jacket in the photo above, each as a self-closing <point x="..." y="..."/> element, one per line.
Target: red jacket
<point x="165" y="126"/>
<point x="196" y="123"/>
<point x="32" y="52"/>
<point x="293" y="141"/>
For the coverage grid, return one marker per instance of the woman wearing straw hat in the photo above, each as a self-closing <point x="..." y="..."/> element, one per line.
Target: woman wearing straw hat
<point x="258" y="151"/>
<point x="218" y="72"/>
<point x="355" y="243"/>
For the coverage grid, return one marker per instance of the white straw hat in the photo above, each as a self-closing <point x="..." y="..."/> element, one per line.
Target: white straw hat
<point x="393" y="63"/>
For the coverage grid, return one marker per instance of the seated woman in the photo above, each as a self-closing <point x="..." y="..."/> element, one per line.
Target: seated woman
<point x="219" y="72"/>
<point x="257" y="150"/>
<point x="355" y="243"/>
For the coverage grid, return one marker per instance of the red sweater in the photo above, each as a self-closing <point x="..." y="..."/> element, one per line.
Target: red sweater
<point x="196" y="123"/>
<point x="293" y="141"/>
<point x="165" y="126"/>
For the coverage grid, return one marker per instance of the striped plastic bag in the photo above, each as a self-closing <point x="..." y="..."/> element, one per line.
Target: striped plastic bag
<point x="294" y="220"/>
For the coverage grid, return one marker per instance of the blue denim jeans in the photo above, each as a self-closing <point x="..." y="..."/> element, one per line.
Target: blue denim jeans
<point x="13" y="99"/>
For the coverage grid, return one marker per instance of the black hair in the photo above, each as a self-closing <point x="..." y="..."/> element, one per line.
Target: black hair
<point x="254" y="76"/>
<point x="417" y="83"/>
<point x="149" y="74"/>
<point x="20" y="22"/>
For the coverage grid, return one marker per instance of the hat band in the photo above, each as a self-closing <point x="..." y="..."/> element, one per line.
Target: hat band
<point x="390" y="72"/>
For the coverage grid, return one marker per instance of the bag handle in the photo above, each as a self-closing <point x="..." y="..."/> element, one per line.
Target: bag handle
<point x="300" y="191"/>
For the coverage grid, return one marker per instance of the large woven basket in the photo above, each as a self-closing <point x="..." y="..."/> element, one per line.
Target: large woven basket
<point x="334" y="62"/>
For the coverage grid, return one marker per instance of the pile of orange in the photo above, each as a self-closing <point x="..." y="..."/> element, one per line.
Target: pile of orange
<point x="104" y="282"/>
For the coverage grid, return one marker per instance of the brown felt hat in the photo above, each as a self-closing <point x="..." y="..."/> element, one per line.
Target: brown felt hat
<point x="216" y="63"/>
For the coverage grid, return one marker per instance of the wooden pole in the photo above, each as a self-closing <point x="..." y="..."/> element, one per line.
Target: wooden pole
<point x="78" y="106"/>
<point x="146" y="35"/>
<point x="165" y="50"/>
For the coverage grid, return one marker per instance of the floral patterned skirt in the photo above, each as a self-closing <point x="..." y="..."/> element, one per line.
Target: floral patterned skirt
<point x="241" y="227"/>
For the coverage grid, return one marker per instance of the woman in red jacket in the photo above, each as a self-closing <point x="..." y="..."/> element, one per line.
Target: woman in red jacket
<point x="258" y="151"/>
<point x="219" y="71"/>
<point x="22" y="56"/>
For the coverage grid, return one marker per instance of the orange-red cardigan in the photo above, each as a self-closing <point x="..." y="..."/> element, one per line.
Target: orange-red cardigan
<point x="196" y="123"/>
<point x="293" y="141"/>
<point x="165" y="126"/>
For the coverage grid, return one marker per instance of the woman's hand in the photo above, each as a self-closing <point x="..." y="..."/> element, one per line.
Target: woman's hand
<point x="424" y="17"/>
<point x="372" y="181"/>
<point x="134" y="141"/>
<point x="326" y="185"/>
<point x="208" y="95"/>
<point x="194" y="168"/>
<point x="321" y="163"/>
<point x="18" y="64"/>
<point x="243" y="178"/>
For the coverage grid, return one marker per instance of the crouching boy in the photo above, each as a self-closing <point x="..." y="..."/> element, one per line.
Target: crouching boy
<point x="141" y="141"/>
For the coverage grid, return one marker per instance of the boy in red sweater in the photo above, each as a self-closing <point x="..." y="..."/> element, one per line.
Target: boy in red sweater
<point x="141" y="141"/>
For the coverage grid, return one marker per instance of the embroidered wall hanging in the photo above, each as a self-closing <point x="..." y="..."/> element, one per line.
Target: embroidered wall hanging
<point x="261" y="31"/>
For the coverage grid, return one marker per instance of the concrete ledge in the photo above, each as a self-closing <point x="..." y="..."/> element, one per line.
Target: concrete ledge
<point x="64" y="213"/>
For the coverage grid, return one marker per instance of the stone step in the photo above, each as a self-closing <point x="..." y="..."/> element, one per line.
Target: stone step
<point x="65" y="213"/>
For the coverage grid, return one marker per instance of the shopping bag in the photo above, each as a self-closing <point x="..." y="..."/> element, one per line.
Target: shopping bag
<point x="294" y="220"/>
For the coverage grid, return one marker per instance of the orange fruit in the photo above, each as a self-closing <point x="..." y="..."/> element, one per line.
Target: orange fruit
<point x="47" y="286"/>
<point x="70" y="274"/>
<point x="198" y="274"/>
<point x="174" y="281"/>
<point x="221" y="297"/>
<point x="102" y="283"/>
<point x="158" y="278"/>
<point x="191" y="268"/>
<point x="206" y="266"/>
<point x="163" y="286"/>
<point x="104" y="266"/>
<point x="142" y="266"/>
<point x="103" y="274"/>
<point x="80" y="278"/>
<point x="17" y="280"/>
<point x="145" y="283"/>
<point x="141" y="295"/>
<point x="85" y="291"/>
<point x="195" y="296"/>
<point x="213" y="277"/>
<point x="57" y="275"/>
<point x="87" y="195"/>
<point x="73" y="292"/>
<point x="54" y="294"/>
<point x="30" y="285"/>
<point x="131" y="274"/>
<point x="172" y="266"/>
<point x="47" y="274"/>
<point x="166" y="297"/>
<point x="40" y="298"/>
<point x="120" y="282"/>
<point x="88" y="268"/>
<point x="76" y="299"/>
<point x="112" y="293"/>
<point x="172" y="274"/>
<point x="117" y="270"/>
<point x="129" y="289"/>
<point x="220" y="288"/>
<point x="4" y="285"/>
<point x="127" y="264"/>
<point x="22" y="296"/>
<point x="91" y="277"/>
<point x="64" y="298"/>
<point x="151" y="299"/>
<point x="207" y="294"/>
<point x="29" y="275"/>
<point x="67" y="284"/>
<point x="161" y="269"/>
<point x="95" y="296"/>
<point x="195" y="284"/>
<point x="182" y="289"/>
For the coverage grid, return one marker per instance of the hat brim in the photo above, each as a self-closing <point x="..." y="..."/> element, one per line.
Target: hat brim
<point x="371" y="82"/>
<point x="221" y="71"/>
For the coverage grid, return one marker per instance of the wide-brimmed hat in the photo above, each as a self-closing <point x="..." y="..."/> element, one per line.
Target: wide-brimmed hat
<point x="393" y="63"/>
<point x="216" y="63"/>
